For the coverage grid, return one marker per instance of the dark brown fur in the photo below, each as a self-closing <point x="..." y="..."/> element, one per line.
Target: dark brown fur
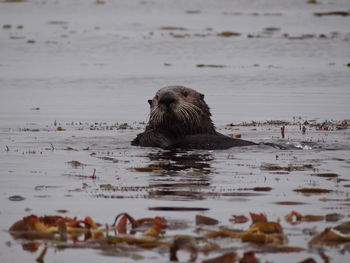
<point x="180" y="118"/>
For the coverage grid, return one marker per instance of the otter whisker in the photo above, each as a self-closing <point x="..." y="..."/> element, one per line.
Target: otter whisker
<point x="184" y="114"/>
<point x="194" y="111"/>
<point x="156" y="116"/>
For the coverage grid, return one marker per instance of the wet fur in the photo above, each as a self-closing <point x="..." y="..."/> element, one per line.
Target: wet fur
<point x="180" y="118"/>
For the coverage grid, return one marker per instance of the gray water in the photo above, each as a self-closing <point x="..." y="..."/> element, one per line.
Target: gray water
<point x="87" y="63"/>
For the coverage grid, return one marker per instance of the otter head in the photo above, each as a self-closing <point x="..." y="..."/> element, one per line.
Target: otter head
<point x="180" y="111"/>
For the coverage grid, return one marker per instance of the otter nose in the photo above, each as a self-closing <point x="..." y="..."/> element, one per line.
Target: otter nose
<point x="167" y="100"/>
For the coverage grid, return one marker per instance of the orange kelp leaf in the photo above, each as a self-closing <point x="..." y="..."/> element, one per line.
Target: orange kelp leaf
<point x="329" y="238"/>
<point x="29" y="223"/>
<point x="204" y="220"/>
<point x="121" y="226"/>
<point x="90" y="223"/>
<point x="266" y="227"/>
<point x="264" y="232"/>
<point x="239" y="219"/>
<point x="158" y="225"/>
<point x="52" y="220"/>
<point x="141" y="242"/>
<point x="153" y="231"/>
<point x="262" y="238"/>
<point x="295" y="218"/>
<point x="98" y="235"/>
<point x="223" y="233"/>
<point x="258" y="217"/>
<point x="226" y="258"/>
<point x="32" y="226"/>
<point x="159" y="221"/>
<point x="62" y="229"/>
<point x="249" y="257"/>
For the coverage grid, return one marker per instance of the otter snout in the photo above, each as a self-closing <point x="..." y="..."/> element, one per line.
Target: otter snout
<point x="167" y="99"/>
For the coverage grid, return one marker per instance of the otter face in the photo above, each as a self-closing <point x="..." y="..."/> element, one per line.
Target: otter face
<point x="178" y="105"/>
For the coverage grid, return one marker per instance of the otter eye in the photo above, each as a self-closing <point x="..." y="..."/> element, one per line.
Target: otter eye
<point x="201" y="95"/>
<point x="157" y="97"/>
<point x="184" y="93"/>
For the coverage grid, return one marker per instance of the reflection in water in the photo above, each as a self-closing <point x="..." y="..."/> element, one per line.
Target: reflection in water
<point x="185" y="175"/>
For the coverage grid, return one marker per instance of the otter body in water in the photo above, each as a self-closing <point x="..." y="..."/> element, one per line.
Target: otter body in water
<point x="180" y="118"/>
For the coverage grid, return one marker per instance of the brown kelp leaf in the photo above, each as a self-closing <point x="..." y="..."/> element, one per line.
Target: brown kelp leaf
<point x="226" y="258"/>
<point x="150" y="168"/>
<point x="289" y="168"/>
<point x="228" y="34"/>
<point x="239" y="219"/>
<point x="179" y="208"/>
<point x="171" y="28"/>
<point x="312" y="218"/>
<point x="209" y="66"/>
<point x="249" y="257"/>
<point x="262" y="189"/>
<point x="16" y="198"/>
<point x="70" y="149"/>
<point x="329" y="238"/>
<point x="75" y="164"/>
<point x="308" y="260"/>
<point x="334" y="218"/>
<point x="326" y="175"/>
<point x="344" y="228"/>
<point x="313" y="190"/>
<point x="277" y="248"/>
<point x="40" y="259"/>
<point x="289" y="203"/>
<point x="32" y="235"/>
<point x="333" y="13"/>
<point x="204" y="220"/>
<point x="32" y="246"/>
<point x="258" y="217"/>
<point x="143" y="242"/>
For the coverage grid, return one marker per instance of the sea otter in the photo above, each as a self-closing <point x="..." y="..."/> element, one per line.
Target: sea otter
<point x="180" y="118"/>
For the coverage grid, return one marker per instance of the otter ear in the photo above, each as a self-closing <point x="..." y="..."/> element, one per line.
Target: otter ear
<point x="201" y="95"/>
<point x="150" y="102"/>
